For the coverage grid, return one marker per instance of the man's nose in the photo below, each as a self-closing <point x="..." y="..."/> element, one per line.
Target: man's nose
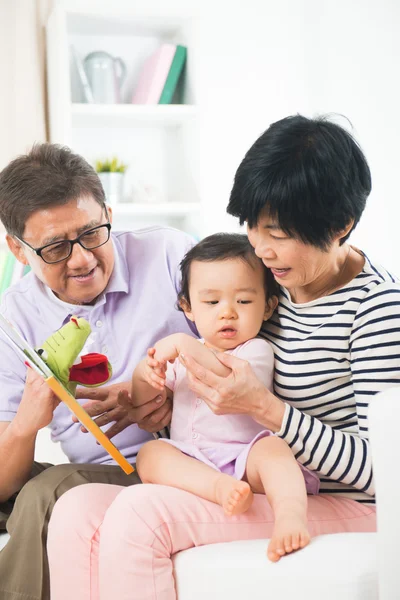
<point x="79" y="256"/>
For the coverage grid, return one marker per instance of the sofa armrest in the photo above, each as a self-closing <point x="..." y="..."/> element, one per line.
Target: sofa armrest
<point x="384" y="428"/>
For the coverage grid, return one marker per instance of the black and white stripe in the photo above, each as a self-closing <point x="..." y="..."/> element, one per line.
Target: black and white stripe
<point x="331" y="356"/>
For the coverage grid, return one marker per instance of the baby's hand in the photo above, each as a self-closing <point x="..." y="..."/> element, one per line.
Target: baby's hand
<point x="154" y="371"/>
<point x="167" y="349"/>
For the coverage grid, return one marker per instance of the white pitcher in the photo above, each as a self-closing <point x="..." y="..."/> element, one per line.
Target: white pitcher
<point x="106" y="74"/>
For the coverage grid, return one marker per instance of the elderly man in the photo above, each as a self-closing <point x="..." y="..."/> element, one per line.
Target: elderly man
<point x="125" y="284"/>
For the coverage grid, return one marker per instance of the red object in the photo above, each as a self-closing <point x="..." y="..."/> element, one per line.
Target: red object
<point x="93" y="370"/>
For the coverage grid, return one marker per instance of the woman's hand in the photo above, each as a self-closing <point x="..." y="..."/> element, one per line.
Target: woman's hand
<point x="241" y="392"/>
<point x="103" y="406"/>
<point x="152" y="416"/>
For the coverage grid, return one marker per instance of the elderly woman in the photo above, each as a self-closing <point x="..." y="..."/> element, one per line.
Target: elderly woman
<point x="301" y="190"/>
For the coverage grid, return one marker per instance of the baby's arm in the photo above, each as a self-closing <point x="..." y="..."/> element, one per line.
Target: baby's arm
<point x="169" y="348"/>
<point x="148" y="380"/>
<point x="149" y="375"/>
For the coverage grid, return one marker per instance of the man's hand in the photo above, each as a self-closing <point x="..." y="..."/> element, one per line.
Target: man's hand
<point x="37" y="406"/>
<point x="103" y="406"/>
<point x="152" y="416"/>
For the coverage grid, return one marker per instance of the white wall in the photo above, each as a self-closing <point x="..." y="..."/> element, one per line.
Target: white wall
<point x="260" y="60"/>
<point x="354" y="50"/>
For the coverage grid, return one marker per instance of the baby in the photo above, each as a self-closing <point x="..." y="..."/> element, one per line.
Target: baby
<point x="228" y="293"/>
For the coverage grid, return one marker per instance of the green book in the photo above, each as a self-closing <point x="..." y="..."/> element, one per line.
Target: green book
<point x="175" y="72"/>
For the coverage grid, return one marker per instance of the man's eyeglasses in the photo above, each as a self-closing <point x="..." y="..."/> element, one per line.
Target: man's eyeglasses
<point x="59" y="251"/>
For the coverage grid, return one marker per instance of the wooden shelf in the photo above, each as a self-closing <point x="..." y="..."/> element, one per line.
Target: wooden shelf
<point x="173" y="209"/>
<point x="121" y="115"/>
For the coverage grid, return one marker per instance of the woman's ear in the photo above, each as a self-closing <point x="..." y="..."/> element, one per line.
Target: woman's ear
<point x="345" y="231"/>
<point x="185" y="306"/>
<point x="16" y="249"/>
<point x="270" y="306"/>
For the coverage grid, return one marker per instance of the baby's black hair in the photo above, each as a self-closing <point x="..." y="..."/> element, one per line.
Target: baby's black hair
<point x="223" y="246"/>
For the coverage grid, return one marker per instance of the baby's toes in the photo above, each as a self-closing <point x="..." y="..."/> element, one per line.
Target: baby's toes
<point x="275" y="549"/>
<point x="288" y="544"/>
<point x="304" y="539"/>
<point x="296" y="541"/>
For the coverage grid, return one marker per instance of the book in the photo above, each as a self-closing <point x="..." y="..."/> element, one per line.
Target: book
<point x="82" y="77"/>
<point x="153" y="75"/>
<point x="174" y="75"/>
<point x="30" y="357"/>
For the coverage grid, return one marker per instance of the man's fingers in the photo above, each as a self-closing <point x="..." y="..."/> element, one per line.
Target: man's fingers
<point x="118" y="427"/>
<point x="110" y="416"/>
<point x="157" y="420"/>
<point x="84" y="393"/>
<point x="94" y="409"/>
<point x="141" y="412"/>
<point x="124" y="398"/>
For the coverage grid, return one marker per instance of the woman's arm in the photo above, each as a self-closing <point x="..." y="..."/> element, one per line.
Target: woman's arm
<point x="375" y="366"/>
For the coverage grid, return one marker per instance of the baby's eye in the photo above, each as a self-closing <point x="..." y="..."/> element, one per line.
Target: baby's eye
<point x="212" y="302"/>
<point x="244" y="301"/>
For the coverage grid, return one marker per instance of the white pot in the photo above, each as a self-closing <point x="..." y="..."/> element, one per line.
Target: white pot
<point x="113" y="186"/>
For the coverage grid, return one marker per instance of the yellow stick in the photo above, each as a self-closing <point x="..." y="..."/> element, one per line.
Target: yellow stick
<point x="88" y="423"/>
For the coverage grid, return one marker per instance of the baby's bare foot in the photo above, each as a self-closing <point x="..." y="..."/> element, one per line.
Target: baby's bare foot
<point x="290" y="534"/>
<point x="234" y="496"/>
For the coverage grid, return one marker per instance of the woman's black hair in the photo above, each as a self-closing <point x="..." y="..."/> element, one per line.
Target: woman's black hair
<point x="223" y="246"/>
<point x="308" y="175"/>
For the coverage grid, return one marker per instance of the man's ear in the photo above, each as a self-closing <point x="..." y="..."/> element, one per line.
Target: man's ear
<point x="270" y="306"/>
<point x="109" y="213"/>
<point x="16" y="249"/>
<point x="185" y="306"/>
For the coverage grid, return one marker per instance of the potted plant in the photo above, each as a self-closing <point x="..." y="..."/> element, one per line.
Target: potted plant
<point x="111" y="174"/>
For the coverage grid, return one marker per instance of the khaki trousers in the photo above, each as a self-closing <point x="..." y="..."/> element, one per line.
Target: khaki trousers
<point x="24" y="569"/>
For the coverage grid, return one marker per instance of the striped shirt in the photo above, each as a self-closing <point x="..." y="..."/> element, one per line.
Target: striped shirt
<point x="331" y="356"/>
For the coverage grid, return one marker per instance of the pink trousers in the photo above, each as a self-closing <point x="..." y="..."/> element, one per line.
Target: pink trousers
<point x="107" y="541"/>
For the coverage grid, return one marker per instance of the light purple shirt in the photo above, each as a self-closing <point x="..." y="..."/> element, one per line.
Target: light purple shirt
<point x="137" y="308"/>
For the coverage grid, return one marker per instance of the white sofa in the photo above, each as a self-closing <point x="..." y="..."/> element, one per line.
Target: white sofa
<point x="349" y="566"/>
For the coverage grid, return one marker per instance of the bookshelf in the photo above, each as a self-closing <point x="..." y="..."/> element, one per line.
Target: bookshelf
<point x="158" y="142"/>
<point x="123" y="115"/>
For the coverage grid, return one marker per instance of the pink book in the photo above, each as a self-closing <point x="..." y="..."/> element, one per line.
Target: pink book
<point x="154" y="75"/>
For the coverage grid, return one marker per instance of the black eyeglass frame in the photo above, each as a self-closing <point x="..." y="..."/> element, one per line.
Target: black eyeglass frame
<point x="72" y="243"/>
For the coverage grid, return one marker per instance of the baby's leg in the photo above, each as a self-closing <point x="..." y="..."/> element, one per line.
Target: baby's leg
<point x="159" y="462"/>
<point x="273" y="470"/>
